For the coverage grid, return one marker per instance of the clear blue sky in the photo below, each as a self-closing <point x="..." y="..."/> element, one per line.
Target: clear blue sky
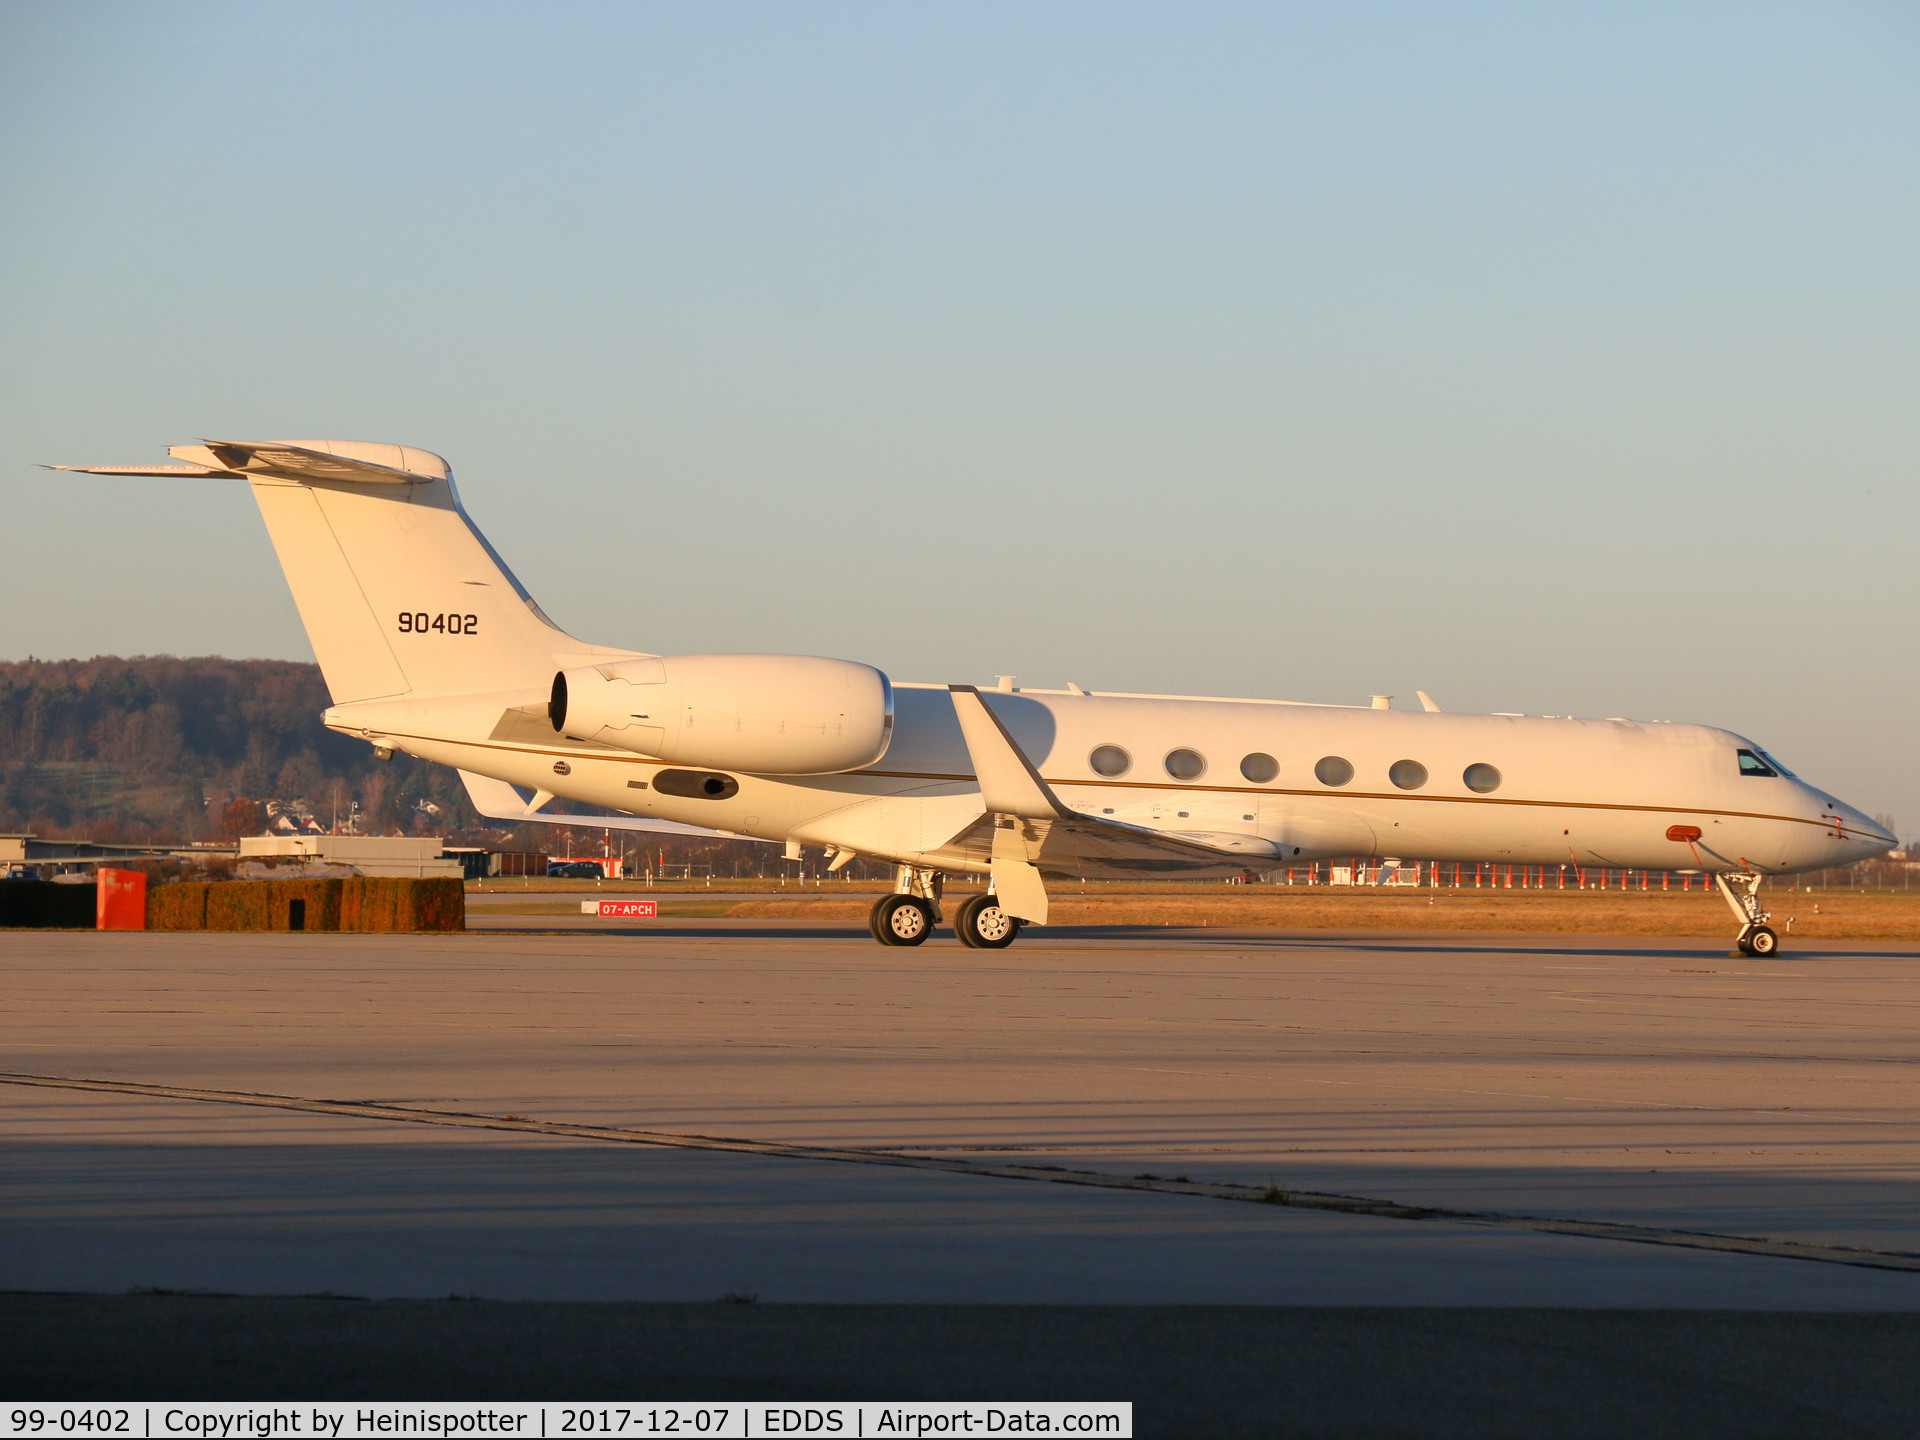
<point x="1549" y="358"/>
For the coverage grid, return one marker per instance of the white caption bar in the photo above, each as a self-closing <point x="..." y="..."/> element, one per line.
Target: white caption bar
<point x="335" y="1421"/>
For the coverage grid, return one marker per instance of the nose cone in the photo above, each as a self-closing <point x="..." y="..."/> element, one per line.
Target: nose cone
<point x="1862" y="837"/>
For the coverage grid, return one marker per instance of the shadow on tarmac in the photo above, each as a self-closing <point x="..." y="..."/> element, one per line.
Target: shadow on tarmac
<point x="1209" y="937"/>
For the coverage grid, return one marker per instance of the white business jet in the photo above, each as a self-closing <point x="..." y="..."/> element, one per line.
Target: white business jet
<point x="429" y="645"/>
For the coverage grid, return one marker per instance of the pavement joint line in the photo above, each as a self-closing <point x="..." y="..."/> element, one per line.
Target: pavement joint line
<point x="1055" y="1174"/>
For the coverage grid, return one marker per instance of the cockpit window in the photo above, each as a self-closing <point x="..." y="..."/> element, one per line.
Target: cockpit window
<point x="1778" y="767"/>
<point x="1752" y="764"/>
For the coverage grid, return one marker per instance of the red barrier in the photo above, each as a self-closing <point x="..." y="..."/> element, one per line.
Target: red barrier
<point x="120" y="903"/>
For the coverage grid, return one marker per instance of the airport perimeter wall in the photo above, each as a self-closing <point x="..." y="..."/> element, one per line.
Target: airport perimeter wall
<point x="367" y="904"/>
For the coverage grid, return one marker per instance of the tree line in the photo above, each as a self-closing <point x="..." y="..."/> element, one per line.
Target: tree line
<point x="177" y="749"/>
<point x="161" y="747"/>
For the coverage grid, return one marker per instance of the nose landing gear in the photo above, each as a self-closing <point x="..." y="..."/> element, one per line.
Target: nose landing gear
<point x="1741" y="893"/>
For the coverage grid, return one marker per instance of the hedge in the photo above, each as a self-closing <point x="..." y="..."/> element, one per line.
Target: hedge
<point x="437" y="904"/>
<point x="239" y="905"/>
<point x="318" y="903"/>
<point x="364" y="903"/>
<point x="178" y="907"/>
<point x="387" y="906"/>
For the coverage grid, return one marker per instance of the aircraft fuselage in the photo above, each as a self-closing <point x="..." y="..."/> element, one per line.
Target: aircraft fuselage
<point x="1549" y="790"/>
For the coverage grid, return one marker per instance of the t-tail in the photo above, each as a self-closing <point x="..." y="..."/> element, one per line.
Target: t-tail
<point x="400" y="593"/>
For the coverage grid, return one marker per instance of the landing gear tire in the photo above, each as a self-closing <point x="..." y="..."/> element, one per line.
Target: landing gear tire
<point x="982" y="925"/>
<point x="1760" y="941"/>
<point x="901" y="920"/>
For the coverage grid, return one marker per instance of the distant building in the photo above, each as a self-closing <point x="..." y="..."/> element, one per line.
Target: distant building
<point x="291" y="817"/>
<point x="418" y="856"/>
<point x="23" y="852"/>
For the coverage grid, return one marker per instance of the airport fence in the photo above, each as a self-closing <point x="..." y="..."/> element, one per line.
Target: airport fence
<point x="1466" y="875"/>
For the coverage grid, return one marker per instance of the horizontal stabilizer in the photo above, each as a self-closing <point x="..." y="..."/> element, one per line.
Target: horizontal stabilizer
<point x="335" y="461"/>
<point x="172" y="472"/>
<point x="285" y="461"/>
<point x="497" y="800"/>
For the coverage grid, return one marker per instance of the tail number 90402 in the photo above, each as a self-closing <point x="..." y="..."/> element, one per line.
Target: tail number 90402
<point x="418" y="622"/>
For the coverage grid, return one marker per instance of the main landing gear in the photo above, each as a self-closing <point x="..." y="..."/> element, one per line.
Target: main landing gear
<point x="1741" y="893"/>
<point x="907" y="916"/>
<point x="982" y="925"/>
<point x="900" y="920"/>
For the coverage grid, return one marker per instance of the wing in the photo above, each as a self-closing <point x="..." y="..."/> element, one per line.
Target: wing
<point x="497" y="800"/>
<point x="1098" y="848"/>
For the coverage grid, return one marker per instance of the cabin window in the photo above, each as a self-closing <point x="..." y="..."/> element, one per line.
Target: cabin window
<point x="1259" y="768"/>
<point x="1407" y="774"/>
<point x="1481" y="779"/>
<point x="1185" y="764"/>
<point x="1110" y="760"/>
<point x="1752" y="764"/>
<point x="1333" y="770"/>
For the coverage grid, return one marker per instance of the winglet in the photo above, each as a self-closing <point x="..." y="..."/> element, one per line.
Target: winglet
<point x="1009" y="785"/>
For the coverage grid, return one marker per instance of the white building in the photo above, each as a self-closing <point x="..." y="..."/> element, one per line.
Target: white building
<point x="403" y="855"/>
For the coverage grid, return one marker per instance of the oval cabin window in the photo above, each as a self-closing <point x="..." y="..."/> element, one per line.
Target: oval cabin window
<point x="1407" y="774"/>
<point x="1109" y="760"/>
<point x="1333" y="770"/>
<point x="1481" y="779"/>
<point x="1259" y="768"/>
<point x="1185" y="764"/>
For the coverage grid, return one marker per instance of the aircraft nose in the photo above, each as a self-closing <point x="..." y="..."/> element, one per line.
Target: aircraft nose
<point x="1865" y="837"/>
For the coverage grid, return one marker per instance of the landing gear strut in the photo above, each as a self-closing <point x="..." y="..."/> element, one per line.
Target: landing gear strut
<point x="1741" y="893"/>
<point x="907" y="916"/>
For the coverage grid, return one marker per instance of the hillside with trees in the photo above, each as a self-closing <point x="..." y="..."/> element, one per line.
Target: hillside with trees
<point x="158" y="747"/>
<point x="163" y="747"/>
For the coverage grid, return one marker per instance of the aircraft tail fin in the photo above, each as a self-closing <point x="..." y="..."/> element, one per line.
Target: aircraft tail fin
<point x="399" y="591"/>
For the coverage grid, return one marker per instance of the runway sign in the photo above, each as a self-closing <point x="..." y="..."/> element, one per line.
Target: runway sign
<point x="622" y="909"/>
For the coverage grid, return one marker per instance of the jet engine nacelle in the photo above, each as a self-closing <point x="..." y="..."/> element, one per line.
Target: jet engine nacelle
<point x="766" y="714"/>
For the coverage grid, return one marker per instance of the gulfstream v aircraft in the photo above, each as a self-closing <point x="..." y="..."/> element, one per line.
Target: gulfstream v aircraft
<point x="429" y="645"/>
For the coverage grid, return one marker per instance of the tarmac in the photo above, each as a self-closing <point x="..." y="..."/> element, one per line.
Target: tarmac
<point x="1565" y="1131"/>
